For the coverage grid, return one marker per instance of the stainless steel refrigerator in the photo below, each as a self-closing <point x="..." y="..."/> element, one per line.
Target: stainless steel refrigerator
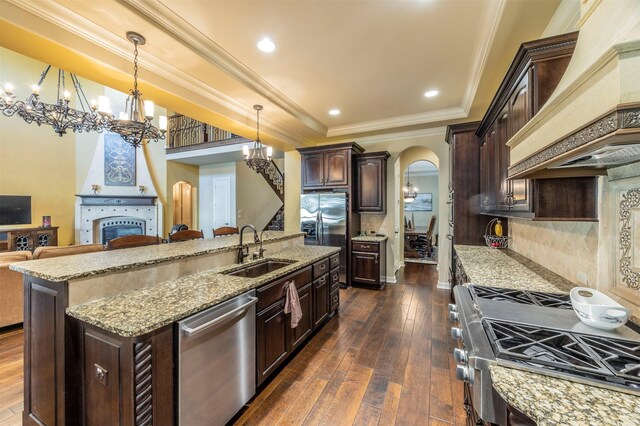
<point x="323" y="217"/>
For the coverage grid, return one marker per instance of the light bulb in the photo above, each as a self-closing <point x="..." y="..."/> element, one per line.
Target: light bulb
<point x="269" y="152"/>
<point x="162" y="122"/>
<point x="94" y="104"/>
<point x="8" y="88"/>
<point x="35" y="89"/>
<point x="245" y="150"/>
<point x="149" y="109"/>
<point x="67" y="95"/>
<point x="122" y="116"/>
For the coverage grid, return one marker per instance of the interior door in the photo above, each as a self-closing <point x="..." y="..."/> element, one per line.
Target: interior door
<point x="221" y="201"/>
<point x="182" y="203"/>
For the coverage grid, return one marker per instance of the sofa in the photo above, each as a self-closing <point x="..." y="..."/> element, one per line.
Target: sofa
<point x="11" y="292"/>
<point x="56" y="251"/>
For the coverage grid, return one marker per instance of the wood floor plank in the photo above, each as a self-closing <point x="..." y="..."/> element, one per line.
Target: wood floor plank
<point x="345" y="404"/>
<point x="390" y="406"/>
<point x="300" y="409"/>
<point x="368" y="415"/>
<point x="440" y="404"/>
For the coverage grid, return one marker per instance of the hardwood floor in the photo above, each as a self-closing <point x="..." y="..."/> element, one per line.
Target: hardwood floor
<point x="11" y="378"/>
<point x="385" y="359"/>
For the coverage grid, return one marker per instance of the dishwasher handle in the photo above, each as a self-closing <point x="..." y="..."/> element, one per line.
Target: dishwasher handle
<point x="191" y="332"/>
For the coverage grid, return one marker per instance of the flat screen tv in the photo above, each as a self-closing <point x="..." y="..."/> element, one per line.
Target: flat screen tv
<point x="15" y="209"/>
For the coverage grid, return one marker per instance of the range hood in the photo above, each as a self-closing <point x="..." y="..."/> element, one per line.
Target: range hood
<point x="592" y="120"/>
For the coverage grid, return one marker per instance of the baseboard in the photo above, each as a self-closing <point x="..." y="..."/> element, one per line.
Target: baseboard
<point x="391" y="280"/>
<point x="444" y="285"/>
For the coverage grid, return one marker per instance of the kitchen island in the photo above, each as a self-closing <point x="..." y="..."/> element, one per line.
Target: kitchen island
<point x="100" y="328"/>
<point x="545" y="399"/>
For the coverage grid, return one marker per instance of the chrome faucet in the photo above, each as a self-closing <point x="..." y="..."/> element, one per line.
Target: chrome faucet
<point x="243" y="250"/>
<point x="260" y="253"/>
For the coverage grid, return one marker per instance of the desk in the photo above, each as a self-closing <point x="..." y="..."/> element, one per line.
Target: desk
<point x="410" y="235"/>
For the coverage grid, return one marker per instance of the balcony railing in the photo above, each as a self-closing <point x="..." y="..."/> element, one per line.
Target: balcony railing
<point x="186" y="132"/>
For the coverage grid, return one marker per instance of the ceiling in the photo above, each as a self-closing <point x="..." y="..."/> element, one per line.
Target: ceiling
<point x="371" y="59"/>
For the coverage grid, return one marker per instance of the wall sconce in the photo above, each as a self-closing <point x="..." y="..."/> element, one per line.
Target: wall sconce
<point x="95" y="188"/>
<point x="142" y="189"/>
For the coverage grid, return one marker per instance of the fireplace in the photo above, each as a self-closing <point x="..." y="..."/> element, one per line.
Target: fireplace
<point x="119" y="226"/>
<point x="102" y="218"/>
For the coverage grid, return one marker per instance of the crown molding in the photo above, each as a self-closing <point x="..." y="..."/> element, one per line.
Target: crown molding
<point x="75" y="24"/>
<point x="388" y="137"/>
<point x="401" y="121"/>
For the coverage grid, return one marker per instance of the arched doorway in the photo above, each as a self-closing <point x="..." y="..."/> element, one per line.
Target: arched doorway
<point x="182" y="203"/>
<point x="420" y="200"/>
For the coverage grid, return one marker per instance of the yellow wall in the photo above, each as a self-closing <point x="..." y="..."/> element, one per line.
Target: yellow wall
<point x="34" y="160"/>
<point x="292" y="190"/>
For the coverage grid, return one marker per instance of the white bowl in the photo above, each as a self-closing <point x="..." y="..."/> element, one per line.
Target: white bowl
<point x="596" y="309"/>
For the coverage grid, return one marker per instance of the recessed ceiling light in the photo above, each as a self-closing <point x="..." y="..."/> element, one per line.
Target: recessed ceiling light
<point x="431" y="93"/>
<point x="334" y="112"/>
<point x="266" y="45"/>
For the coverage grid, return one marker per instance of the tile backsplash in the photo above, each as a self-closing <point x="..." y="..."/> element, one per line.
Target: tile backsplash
<point x="570" y="249"/>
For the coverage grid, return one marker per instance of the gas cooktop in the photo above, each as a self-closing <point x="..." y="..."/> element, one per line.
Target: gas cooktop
<point x="603" y="359"/>
<point x="540" y="333"/>
<point x="551" y="300"/>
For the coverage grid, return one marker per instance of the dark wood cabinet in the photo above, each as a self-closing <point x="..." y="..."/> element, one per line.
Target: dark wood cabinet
<point x="313" y="167"/>
<point x="328" y="167"/>
<point x="371" y="186"/>
<point x="368" y="264"/>
<point x="273" y="339"/>
<point x="528" y="84"/>
<point x="466" y="225"/>
<point x="321" y="290"/>
<point x="305" y="326"/>
<point x="19" y="239"/>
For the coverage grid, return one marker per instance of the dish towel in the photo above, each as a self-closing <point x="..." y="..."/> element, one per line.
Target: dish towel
<point x="292" y="304"/>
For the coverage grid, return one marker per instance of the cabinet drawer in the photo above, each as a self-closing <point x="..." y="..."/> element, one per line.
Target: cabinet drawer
<point x="335" y="300"/>
<point x="320" y="268"/>
<point x="335" y="279"/>
<point x="274" y="291"/>
<point x="334" y="261"/>
<point x="365" y="246"/>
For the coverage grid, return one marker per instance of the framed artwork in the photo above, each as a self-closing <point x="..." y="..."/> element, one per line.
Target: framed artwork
<point x="119" y="161"/>
<point x="422" y="203"/>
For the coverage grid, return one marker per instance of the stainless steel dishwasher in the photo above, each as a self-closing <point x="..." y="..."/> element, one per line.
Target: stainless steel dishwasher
<point x="217" y="361"/>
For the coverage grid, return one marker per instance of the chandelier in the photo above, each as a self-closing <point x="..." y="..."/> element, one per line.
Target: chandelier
<point x="410" y="191"/>
<point x="259" y="157"/>
<point x="58" y="115"/>
<point x="134" y="124"/>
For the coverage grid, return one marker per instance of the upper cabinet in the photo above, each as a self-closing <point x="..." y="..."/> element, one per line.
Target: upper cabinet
<point x="371" y="182"/>
<point x="530" y="81"/>
<point x="328" y="167"/>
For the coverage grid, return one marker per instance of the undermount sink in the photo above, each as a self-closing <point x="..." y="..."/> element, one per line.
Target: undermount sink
<point x="257" y="269"/>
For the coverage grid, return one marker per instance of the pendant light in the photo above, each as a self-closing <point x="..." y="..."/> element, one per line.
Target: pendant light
<point x="134" y="124"/>
<point x="259" y="157"/>
<point x="410" y="191"/>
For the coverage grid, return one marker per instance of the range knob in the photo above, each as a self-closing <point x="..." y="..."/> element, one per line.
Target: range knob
<point x="460" y="355"/>
<point x="453" y="307"/>
<point x="463" y="373"/>
<point x="454" y="316"/>
<point x="456" y="333"/>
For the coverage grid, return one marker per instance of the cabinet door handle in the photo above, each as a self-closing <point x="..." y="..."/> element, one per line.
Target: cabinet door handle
<point x="323" y="266"/>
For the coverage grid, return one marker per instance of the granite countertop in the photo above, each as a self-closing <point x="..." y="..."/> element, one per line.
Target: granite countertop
<point x="545" y="399"/>
<point x="550" y="401"/>
<point x="370" y="238"/>
<point x="66" y="268"/>
<point x="506" y="268"/>
<point x="141" y="311"/>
